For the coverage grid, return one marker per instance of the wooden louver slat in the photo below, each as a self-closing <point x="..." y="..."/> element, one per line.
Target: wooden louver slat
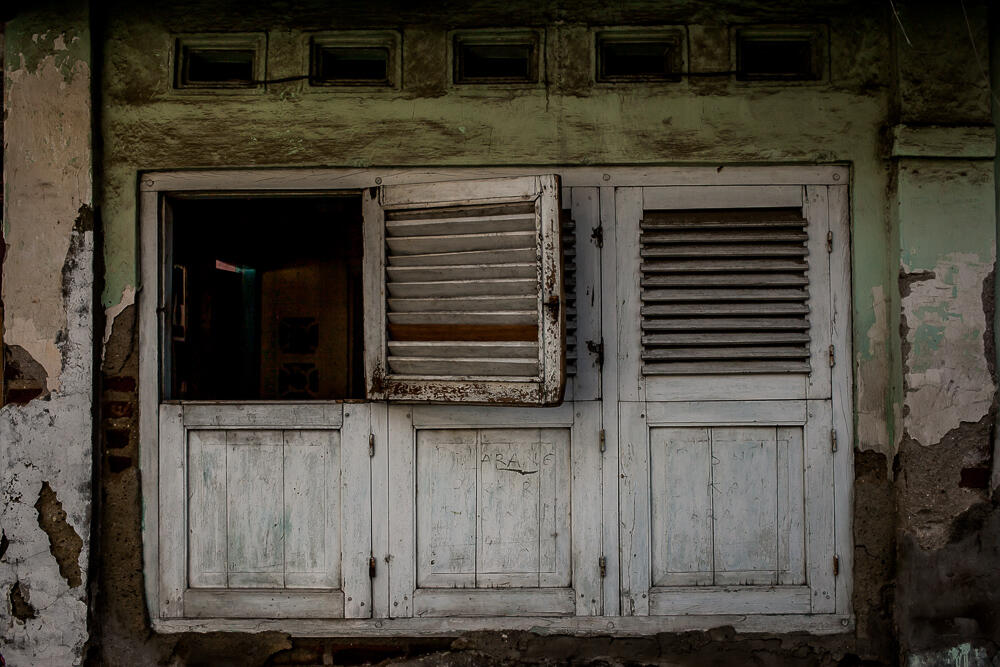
<point x="462" y="292"/>
<point x="568" y="234"/>
<point x="724" y="291"/>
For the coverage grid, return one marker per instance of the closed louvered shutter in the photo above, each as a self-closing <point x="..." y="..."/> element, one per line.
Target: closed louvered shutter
<point x="464" y="291"/>
<point x="724" y="291"/>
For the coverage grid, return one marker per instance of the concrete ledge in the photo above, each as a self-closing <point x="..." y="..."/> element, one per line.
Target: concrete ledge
<point x="778" y="624"/>
<point x="938" y="141"/>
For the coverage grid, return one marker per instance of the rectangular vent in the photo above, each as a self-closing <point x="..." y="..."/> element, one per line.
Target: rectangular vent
<point x="223" y="60"/>
<point x="625" y="57"/>
<point x="779" y="54"/>
<point x="347" y="66"/>
<point x="496" y="58"/>
<point x="724" y="291"/>
<point x="568" y="232"/>
<point x="462" y="292"/>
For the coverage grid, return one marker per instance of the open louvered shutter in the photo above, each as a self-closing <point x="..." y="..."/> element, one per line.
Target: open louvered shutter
<point x="464" y="296"/>
<point x="724" y="291"/>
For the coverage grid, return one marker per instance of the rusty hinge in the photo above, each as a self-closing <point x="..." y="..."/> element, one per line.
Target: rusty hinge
<point x="597" y="348"/>
<point x="836" y="565"/>
<point x="602" y="437"/>
<point x="371" y="444"/>
<point x="833" y="358"/>
<point x="371" y="567"/>
<point x="829" y="241"/>
<point x="598" y="235"/>
<point x="602" y="564"/>
<point x="833" y="439"/>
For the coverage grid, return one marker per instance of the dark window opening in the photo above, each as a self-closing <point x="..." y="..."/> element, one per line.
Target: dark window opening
<point x="790" y="58"/>
<point x="216" y="67"/>
<point x="350" y="65"/>
<point x="266" y="299"/>
<point x="495" y="61"/>
<point x="637" y="59"/>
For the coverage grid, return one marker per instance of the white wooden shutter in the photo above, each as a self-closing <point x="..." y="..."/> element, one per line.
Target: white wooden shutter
<point x="464" y="296"/>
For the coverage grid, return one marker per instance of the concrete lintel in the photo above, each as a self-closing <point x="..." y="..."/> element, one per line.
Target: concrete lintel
<point x="940" y="141"/>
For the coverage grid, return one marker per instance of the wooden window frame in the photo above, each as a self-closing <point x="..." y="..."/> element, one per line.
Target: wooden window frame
<point x="250" y="41"/>
<point x="597" y="198"/>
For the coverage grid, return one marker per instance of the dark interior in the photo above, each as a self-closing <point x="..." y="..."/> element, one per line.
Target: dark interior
<point x="636" y="59"/>
<point x="368" y="65"/>
<point x="494" y="62"/>
<point x="266" y="299"/>
<point x="218" y="66"/>
<point x="776" y="58"/>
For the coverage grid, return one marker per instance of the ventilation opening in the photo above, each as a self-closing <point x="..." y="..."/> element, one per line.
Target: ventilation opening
<point x="350" y="65"/>
<point x="637" y="59"/>
<point x="724" y="291"/>
<point x="270" y="292"/>
<point x="496" y="60"/>
<point x="217" y="67"/>
<point x="790" y="57"/>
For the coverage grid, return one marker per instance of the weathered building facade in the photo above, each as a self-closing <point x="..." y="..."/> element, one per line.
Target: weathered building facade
<point x="795" y="466"/>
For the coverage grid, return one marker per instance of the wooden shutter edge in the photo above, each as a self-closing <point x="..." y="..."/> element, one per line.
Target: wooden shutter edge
<point x="552" y="333"/>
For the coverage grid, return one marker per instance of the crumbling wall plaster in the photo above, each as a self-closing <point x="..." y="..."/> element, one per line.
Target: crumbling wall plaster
<point x="48" y="283"/>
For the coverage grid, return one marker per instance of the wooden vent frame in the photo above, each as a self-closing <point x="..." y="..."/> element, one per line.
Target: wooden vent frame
<point x="725" y="291"/>
<point x="464" y="292"/>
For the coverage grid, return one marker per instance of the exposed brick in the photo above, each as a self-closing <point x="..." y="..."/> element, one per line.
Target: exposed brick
<point x="116" y="438"/>
<point x="119" y="383"/>
<point x="117" y="409"/>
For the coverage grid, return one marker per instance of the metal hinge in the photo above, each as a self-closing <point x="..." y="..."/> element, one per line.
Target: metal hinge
<point x="833" y="439"/>
<point x="836" y="565"/>
<point x="829" y="241"/>
<point x="833" y="358"/>
<point x="598" y="235"/>
<point x="371" y="444"/>
<point x="602" y="437"/>
<point x="597" y="348"/>
<point x="371" y="567"/>
<point x="602" y="564"/>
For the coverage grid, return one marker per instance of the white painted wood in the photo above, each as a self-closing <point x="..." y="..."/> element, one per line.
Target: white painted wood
<point x="373" y="288"/>
<point x="733" y="387"/>
<point x="460" y="225"/>
<point x="608" y="295"/>
<point x="312" y="509"/>
<point x="403" y="533"/>
<point x="352" y="178"/>
<point x="816" y="211"/>
<point x="843" y="400"/>
<point x="819" y="508"/>
<point x="634" y="509"/>
<point x="508" y="602"/>
<point x="727" y="412"/>
<point x="172" y="505"/>
<point x="745" y="505"/>
<point x="207" y="531"/>
<point x="380" y="508"/>
<point x="417" y="245"/>
<point x="274" y="604"/>
<point x="521" y="188"/>
<point x="628" y="212"/>
<point x="257" y="415"/>
<point x="586" y="215"/>
<point x="733" y="196"/>
<point x="469" y="416"/>
<point x="254" y="499"/>
<point x="465" y="288"/>
<point x="791" y="506"/>
<point x="681" y="492"/>
<point x="581" y="626"/>
<point x="486" y="258"/>
<point x="356" y="512"/>
<point x="730" y="600"/>
<point x="586" y="514"/>
<point x="149" y="395"/>
<point x="437" y="269"/>
<point x="447" y="462"/>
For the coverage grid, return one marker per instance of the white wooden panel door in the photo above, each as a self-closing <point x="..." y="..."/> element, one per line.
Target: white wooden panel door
<point x="494" y="511"/>
<point x="724" y="387"/>
<point x="264" y="510"/>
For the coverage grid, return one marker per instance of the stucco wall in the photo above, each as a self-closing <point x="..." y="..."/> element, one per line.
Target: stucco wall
<point x="48" y="276"/>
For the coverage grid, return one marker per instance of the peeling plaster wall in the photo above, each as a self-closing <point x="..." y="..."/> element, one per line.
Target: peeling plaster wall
<point x="48" y="285"/>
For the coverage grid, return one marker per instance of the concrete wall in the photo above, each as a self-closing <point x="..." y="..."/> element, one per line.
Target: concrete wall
<point x="923" y="239"/>
<point x="48" y="296"/>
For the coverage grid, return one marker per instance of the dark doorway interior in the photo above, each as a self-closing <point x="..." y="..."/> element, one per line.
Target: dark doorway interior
<point x="266" y="299"/>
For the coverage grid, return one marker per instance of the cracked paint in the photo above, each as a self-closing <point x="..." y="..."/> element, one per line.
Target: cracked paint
<point x="947" y="380"/>
<point x="48" y="285"/>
